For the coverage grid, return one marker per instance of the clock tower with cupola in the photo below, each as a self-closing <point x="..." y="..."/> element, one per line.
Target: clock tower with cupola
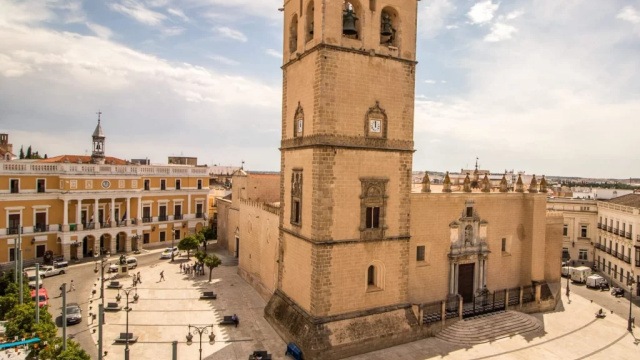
<point x="346" y="168"/>
<point x="97" y="154"/>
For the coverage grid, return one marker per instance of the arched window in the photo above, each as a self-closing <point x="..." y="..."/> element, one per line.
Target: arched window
<point x="298" y="127"/>
<point x="309" y="14"/>
<point x="371" y="276"/>
<point x="389" y="27"/>
<point x="293" y="34"/>
<point x="350" y="22"/>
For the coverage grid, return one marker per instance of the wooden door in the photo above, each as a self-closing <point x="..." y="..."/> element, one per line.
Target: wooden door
<point x="465" y="281"/>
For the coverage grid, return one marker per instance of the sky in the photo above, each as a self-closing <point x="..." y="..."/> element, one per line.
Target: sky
<point x="543" y="86"/>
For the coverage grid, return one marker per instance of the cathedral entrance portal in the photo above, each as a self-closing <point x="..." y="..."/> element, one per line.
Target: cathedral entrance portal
<point x="465" y="281"/>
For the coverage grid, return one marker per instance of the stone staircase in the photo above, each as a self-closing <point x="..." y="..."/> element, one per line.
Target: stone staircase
<point x="489" y="327"/>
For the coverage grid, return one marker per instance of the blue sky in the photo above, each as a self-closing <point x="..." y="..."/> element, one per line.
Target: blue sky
<point x="545" y="86"/>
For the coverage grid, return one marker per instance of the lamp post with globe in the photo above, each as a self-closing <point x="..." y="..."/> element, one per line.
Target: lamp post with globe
<point x="199" y="330"/>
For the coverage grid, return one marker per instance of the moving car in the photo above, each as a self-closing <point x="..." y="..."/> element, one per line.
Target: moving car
<point x="31" y="275"/>
<point x="42" y="294"/>
<point x="51" y="271"/>
<point x="74" y="314"/>
<point x="166" y="254"/>
<point x="132" y="263"/>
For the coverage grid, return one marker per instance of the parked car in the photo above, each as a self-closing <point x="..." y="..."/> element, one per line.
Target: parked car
<point x="74" y="314"/>
<point x="166" y="254"/>
<point x="580" y="274"/>
<point x="30" y="273"/>
<point x="42" y="294"/>
<point x="566" y="271"/>
<point x="51" y="271"/>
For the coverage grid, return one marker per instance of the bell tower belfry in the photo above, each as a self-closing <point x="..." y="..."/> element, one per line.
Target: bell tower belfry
<point x="346" y="169"/>
<point x="97" y="154"/>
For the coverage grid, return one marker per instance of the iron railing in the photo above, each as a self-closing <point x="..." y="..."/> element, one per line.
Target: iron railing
<point x="514" y="297"/>
<point x="163" y="218"/>
<point x="199" y="215"/>
<point x="627" y="259"/>
<point x="628" y="236"/>
<point x="40" y="228"/>
<point x="14" y="230"/>
<point x="177" y="217"/>
<point x="452" y="307"/>
<point x="147" y="219"/>
<point x="528" y="294"/>
<point x="432" y="313"/>
<point x="599" y="225"/>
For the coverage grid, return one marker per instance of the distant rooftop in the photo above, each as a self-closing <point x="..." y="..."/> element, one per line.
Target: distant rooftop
<point x="82" y="159"/>
<point x="632" y="200"/>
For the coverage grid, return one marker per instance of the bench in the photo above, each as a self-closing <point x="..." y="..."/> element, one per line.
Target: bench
<point x="112" y="306"/>
<point x="123" y="338"/>
<point x="208" y="295"/>
<point x="114" y="285"/>
<point x="260" y="354"/>
<point x="228" y="320"/>
<point x="294" y="351"/>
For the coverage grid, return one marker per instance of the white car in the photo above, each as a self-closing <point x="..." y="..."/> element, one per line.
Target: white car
<point x="166" y="254"/>
<point x="51" y="271"/>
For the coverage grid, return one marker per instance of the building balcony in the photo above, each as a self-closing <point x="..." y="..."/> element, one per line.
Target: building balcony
<point x="600" y="247"/>
<point x="89" y="226"/>
<point x="41" y="228"/>
<point x="177" y="217"/>
<point x="199" y="215"/>
<point x="134" y="221"/>
<point x="628" y="235"/>
<point x="14" y="230"/>
<point x="638" y="238"/>
<point x="637" y="262"/>
<point x="163" y="218"/>
<point x="147" y="219"/>
<point x="599" y="225"/>
<point x="608" y="250"/>
<point x="609" y="228"/>
<point x="620" y="256"/>
<point x="627" y="259"/>
<point x="105" y="224"/>
<point x="615" y="231"/>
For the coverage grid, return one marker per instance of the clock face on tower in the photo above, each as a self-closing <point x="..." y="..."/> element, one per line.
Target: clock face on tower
<point x="374" y="126"/>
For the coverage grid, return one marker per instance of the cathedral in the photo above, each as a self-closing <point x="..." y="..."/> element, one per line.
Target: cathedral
<point x="348" y="257"/>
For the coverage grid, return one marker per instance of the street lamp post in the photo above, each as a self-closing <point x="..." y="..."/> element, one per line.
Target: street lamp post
<point x="200" y="330"/>
<point x="127" y="309"/>
<point x="568" y="278"/>
<point x="630" y="320"/>
<point x="173" y="238"/>
<point x="102" y="265"/>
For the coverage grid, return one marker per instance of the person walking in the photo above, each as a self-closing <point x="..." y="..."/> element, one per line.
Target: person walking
<point x="181" y="268"/>
<point x="139" y="278"/>
<point x="73" y="286"/>
<point x="161" y="276"/>
<point x="135" y="280"/>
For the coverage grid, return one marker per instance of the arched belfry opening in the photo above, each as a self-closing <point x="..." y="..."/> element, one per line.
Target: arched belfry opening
<point x="293" y="34"/>
<point x="351" y="24"/>
<point x="389" y="27"/>
<point x="309" y="23"/>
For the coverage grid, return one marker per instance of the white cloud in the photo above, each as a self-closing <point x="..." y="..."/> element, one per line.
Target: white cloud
<point x="139" y="12"/>
<point x="274" y="53"/>
<point x="223" y="60"/>
<point x="499" y="32"/>
<point x="482" y="12"/>
<point x="514" y="14"/>
<point x="179" y="13"/>
<point x="430" y="81"/>
<point x="257" y="8"/>
<point x="101" y="31"/>
<point x="230" y="33"/>
<point x="449" y="27"/>
<point x="433" y="17"/>
<point x="172" y="30"/>
<point x="630" y="14"/>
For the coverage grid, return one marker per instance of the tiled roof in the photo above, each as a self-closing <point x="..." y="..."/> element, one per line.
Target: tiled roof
<point x="84" y="159"/>
<point x="632" y="200"/>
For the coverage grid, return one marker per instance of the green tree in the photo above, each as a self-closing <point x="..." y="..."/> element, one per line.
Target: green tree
<point x="21" y="152"/>
<point x="200" y="255"/>
<point x="54" y="350"/>
<point x="211" y="261"/>
<point x="188" y="243"/>
<point x="45" y="156"/>
<point x="28" y="156"/>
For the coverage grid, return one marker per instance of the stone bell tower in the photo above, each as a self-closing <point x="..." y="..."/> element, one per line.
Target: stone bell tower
<point x="97" y="154"/>
<point x="346" y="157"/>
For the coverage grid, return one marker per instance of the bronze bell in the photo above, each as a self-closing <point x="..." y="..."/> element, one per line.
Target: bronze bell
<point x="387" y="29"/>
<point x="349" y="23"/>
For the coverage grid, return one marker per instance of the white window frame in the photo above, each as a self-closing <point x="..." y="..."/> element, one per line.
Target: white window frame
<point x="11" y="181"/>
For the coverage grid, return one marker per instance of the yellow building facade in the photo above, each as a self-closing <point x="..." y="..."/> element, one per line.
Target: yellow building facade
<point x="92" y="205"/>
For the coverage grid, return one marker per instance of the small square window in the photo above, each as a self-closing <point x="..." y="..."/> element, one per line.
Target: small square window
<point x="565" y="230"/>
<point x="469" y="211"/>
<point x="41" y="185"/>
<point x="145" y="238"/>
<point x="163" y="236"/>
<point x="504" y="244"/>
<point x="582" y="255"/>
<point x="583" y="231"/>
<point x="15" y="186"/>
<point x="147" y="184"/>
<point x="420" y="253"/>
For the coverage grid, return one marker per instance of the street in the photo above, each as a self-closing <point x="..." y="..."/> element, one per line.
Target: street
<point x="84" y="279"/>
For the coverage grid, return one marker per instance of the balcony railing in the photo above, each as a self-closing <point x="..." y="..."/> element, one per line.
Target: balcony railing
<point x="615" y="231"/>
<point x="627" y="260"/>
<point x="638" y="238"/>
<point x="105" y="224"/>
<point x="13" y="230"/>
<point x="609" y="228"/>
<point x="134" y="221"/>
<point x="147" y="219"/>
<point x="89" y="226"/>
<point x="163" y="218"/>
<point x="177" y="217"/>
<point x="600" y="247"/>
<point x="637" y="262"/>
<point x="608" y="250"/>
<point x="620" y="256"/>
<point x="628" y="236"/>
<point x="40" y="228"/>
<point x="599" y="225"/>
<point x="199" y="215"/>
